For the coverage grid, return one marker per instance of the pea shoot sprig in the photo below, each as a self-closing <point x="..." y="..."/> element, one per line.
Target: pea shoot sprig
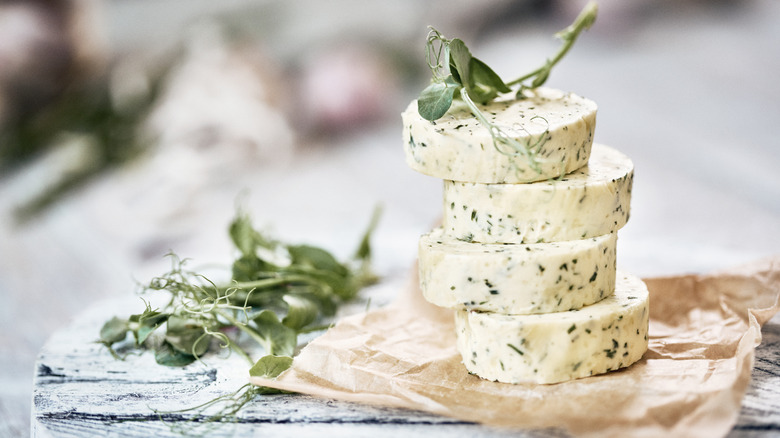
<point x="456" y="74"/>
<point x="277" y="291"/>
<point x="454" y="69"/>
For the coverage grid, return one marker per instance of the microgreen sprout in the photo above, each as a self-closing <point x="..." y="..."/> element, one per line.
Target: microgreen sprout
<point x="456" y="74"/>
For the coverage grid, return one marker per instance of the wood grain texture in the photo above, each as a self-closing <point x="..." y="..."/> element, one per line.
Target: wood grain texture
<point x="760" y="414"/>
<point x="82" y="391"/>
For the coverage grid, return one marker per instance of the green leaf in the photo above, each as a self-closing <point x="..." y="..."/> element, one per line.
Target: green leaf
<point x="460" y="57"/>
<point x="243" y="235"/>
<point x="114" y="330"/>
<point x="250" y="268"/>
<point x="486" y="84"/>
<point x="143" y="333"/>
<point x="301" y="311"/>
<point x="317" y="258"/>
<point x="186" y="336"/>
<point x="148" y="322"/>
<point x="484" y="75"/>
<point x="482" y="95"/>
<point x="280" y="340"/>
<point x="270" y="366"/>
<point x="454" y="74"/>
<point x="436" y="99"/>
<point x="153" y="318"/>
<point x="166" y="355"/>
<point x="363" y="251"/>
<point x="326" y="302"/>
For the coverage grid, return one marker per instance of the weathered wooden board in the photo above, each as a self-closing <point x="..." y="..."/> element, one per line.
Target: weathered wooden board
<point x="81" y="391"/>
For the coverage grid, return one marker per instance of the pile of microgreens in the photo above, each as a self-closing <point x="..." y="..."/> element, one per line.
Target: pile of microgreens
<point x="459" y="75"/>
<point x="277" y="291"/>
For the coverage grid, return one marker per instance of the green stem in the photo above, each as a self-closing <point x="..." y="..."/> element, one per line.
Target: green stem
<point x="275" y="281"/>
<point x="527" y="76"/>
<point x="583" y="21"/>
<point x="246" y="329"/>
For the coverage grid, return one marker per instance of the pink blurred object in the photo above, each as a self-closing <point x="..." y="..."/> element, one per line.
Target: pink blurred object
<point x="345" y="86"/>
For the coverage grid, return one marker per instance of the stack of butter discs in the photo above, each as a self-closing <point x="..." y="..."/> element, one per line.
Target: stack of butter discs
<point x="526" y="251"/>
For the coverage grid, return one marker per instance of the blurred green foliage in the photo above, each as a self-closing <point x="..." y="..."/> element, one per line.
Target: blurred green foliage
<point x="87" y="108"/>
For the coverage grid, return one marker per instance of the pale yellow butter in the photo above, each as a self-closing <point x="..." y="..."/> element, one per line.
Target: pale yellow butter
<point x="588" y="202"/>
<point x="558" y="126"/>
<point x="556" y="347"/>
<point x="516" y="278"/>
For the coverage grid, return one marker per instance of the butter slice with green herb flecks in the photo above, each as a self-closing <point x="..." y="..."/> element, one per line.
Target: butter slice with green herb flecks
<point x="556" y="127"/>
<point x="591" y="201"/>
<point x="556" y="347"/>
<point x="516" y="278"/>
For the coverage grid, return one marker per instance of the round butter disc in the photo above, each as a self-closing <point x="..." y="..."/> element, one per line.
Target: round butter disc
<point x="516" y="278"/>
<point x="557" y="126"/>
<point x="556" y="347"/>
<point x="591" y="201"/>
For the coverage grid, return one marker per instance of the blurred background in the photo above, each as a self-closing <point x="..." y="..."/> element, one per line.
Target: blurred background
<point x="129" y="128"/>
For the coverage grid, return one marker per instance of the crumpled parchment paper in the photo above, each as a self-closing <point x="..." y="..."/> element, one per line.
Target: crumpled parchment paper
<point x="703" y="332"/>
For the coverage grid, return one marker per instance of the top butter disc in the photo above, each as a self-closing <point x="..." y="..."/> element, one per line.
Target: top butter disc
<point x="558" y="126"/>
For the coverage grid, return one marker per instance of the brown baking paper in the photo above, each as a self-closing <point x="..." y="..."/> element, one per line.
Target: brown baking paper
<point x="703" y="332"/>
